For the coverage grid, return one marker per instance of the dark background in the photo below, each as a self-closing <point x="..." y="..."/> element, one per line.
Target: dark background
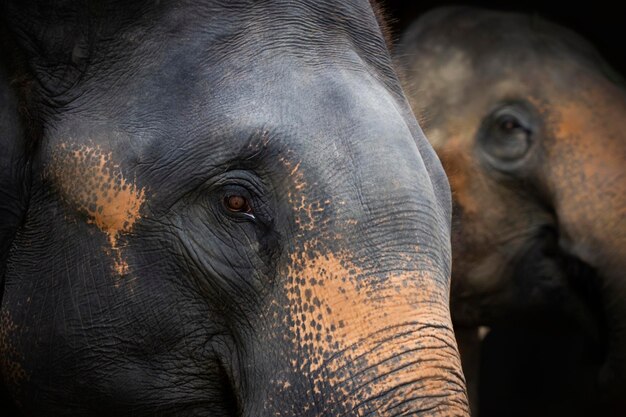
<point x="602" y="23"/>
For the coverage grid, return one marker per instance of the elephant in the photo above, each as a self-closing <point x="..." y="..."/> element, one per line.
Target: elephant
<point x="529" y="121"/>
<point x="205" y="221"/>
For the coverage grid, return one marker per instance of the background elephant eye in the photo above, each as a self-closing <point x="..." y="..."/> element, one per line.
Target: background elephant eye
<point x="510" y="124"/>
<point x="506" y="135"/>
<point x="237" y="204"/>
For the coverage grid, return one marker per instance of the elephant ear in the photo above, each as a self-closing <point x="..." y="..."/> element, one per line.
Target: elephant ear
<point x="57" y="39"/>
<point x="51" y="39"/>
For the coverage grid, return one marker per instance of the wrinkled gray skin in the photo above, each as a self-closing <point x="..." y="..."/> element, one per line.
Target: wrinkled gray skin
<point x="225" y="213"/>
<point x="12" y="189"/>
<point x="529" y="123"/>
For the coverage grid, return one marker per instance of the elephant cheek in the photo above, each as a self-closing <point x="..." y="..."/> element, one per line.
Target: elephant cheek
<point x="363" y="342"/>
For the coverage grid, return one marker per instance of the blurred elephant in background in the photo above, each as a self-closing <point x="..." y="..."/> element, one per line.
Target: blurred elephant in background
<point x="530" y="125"/>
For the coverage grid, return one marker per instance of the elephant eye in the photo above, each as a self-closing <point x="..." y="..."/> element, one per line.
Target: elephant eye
<point x="507" y="135"/>
<point x="508" y="138"/>
<point x="509" y="124"/>
<point x="237" y="204"/>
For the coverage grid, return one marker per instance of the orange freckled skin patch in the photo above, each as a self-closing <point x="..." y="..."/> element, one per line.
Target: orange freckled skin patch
<point x="94" y="185"/>
<point x="305" y="212"/>
<point x="328" y="300"/>
<point x="372" y="323"/>
<point x="90" y="180"/>
<point x="121" y="267"/>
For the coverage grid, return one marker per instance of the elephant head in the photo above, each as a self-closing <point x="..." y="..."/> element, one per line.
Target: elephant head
<point x="227" y="214"/>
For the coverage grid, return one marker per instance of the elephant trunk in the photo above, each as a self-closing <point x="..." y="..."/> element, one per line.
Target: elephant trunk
<point x="359" y="321"/>
<point x="362" y="343"/>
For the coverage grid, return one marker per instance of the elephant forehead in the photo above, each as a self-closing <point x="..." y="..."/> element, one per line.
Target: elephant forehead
<point x="92" y="183"/>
